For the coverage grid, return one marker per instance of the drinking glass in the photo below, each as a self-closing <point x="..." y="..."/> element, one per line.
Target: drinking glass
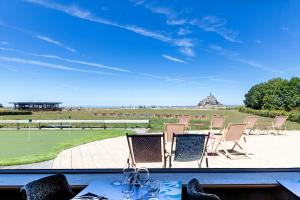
<point x="127" y="190"/>
<point x="142" y="176"/>
<point x="129" y="172"/>
<point x="153" y="188"/>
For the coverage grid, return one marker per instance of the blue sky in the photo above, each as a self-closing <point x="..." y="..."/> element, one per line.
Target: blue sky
<point x="144" y="52"/>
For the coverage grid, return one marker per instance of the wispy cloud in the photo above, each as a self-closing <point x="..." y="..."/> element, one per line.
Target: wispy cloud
<point x="184" y="31"/>
<point x="98" y="65"/>
<point x="39" y="37"/>
<point x="173" y="58"/>
<point x="258" y="41"/>
<point x="218" y="26"/>
<point x="55" y="42"/>
<point x="207" y="23"/>
<point x="4" y="42"/>
<point x="232" y="55"/>
<point x="284" y="28"/>
<point x="87" y="15"/>
<point x="49" y="65"/>
<point x="224" y="80"/>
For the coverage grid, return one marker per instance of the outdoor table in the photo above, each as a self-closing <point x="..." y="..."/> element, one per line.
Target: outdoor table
<point x="170" y="190"/>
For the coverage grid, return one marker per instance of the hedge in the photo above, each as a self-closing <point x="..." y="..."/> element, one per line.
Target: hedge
<point x="292" y="116"/>
<point x="15" y="112"/>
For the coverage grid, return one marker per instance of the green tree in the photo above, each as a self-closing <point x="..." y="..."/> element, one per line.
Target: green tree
<point x="276" y="94"/>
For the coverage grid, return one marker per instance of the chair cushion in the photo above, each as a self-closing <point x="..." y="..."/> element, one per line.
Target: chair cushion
<point x="53" y="187"/>
<point x="196" y="192"/>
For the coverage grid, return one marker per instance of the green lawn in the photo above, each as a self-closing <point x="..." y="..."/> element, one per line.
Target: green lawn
<point x="15" y="148"/>
<point x="156" y="124"/>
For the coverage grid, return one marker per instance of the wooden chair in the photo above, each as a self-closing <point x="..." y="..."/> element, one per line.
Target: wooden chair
<point x="184" y="120"/>
<point x="147" y="148"/>
<point x="171" y="128"/>
<point x="251" y="122"/>
<point x="217" y="123"/>
<point x="233" y="134"/>
<point x="278" y="124"/>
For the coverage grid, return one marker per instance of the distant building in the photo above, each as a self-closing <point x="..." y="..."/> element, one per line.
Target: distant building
<point x="37" y="106"/>
<point x="209" y="102"/>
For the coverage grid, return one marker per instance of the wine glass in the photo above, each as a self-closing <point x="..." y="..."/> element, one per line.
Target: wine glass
<point x="129" y="172"/>
<point x="127" y="190"/>
<point x="142" y="176"/>
<point x="153" y="188"/>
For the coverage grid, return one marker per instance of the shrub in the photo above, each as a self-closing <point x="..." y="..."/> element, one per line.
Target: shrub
<point x="292" y="116"/>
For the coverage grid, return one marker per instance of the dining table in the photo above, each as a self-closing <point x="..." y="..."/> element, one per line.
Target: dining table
<point x="112" y="190"/>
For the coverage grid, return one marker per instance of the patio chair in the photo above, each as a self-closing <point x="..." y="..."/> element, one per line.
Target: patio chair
<point x="232" y="134"/>
<point x="217" y="122"/>
<point x="49" y="188"/>
<point x="251" y="122"/>
<point x="147" y="148"/>
<point x="184" y="120"/>
<point x="171" y="128"/>
<point x="188" y="147"/>
<point x="278" y="124"/>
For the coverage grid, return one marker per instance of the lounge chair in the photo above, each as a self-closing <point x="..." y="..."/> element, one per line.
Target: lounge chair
<point x="217" y="123"/>
<point x="147" y="148"/>
<point x="184" y="120"/>
<point x="251" y="122"/>
<point x="189" y="147"/>
<point x="48" y="188"/>
<point x="232" y="134"/>
<point x="278" y="124"/>
<point x="171" y="128"/>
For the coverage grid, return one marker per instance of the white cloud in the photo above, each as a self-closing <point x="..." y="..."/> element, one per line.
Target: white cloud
<point x="184" y="31"/>
<point x="4" y="42"/>
<point x="231" y="55"/>
<point x="218" y="26"/>
<point x="258" y="41"/>
<point x="49" y="65"/>
<point x="224" y="80"/>
<point x="68" y="60"/>
<point x="55" y="42"/>
<point x="173" y="58"/>
<point x="39" y="37"/>
<point x="87" y="15"/>
<point x="187" y="51"/>
<point x="284" y="28"/>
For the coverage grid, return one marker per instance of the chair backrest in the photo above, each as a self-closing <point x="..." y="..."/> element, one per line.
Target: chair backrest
<point x="171" y="128"/>
<point x="189" y="147"/>
<point x="234" y="132"/>
<point x="251" y="121"/>
<point x="146" y="148"/>
<point x="280" y="121"/>
<point x="217" y="122"/>
<point x="48" y="188"/>
<point x="184" y="120"/>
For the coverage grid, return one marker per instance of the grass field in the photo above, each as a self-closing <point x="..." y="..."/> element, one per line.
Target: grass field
<point x="156" y="124"/>
<point x="16" y="148"/>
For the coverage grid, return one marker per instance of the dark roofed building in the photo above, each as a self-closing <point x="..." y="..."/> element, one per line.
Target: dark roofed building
<point x="37" y="106"/>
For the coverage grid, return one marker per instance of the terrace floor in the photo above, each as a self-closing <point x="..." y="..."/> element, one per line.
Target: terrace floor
<point x="266" y="151"/>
